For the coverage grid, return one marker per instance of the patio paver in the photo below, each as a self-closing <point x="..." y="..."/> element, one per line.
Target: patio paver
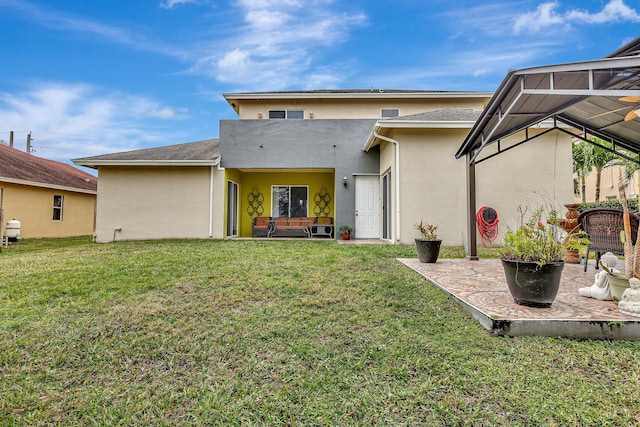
<point x="480" y="287"/>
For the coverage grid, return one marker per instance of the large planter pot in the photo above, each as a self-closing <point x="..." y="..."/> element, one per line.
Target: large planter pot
<point x="428" y="250"/>
<point x="617" y="286"/>
<point x="533" y="285"/>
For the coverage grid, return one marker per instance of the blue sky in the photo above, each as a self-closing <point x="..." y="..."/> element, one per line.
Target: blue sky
<point x="102" y="76"/>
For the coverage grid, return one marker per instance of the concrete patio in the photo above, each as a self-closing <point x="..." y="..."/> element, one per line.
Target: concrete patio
<point x="481" y="289"/>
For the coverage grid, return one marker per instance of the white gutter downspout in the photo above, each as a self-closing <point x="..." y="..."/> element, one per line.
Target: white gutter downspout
<point x="397" y="186"/>
<point x="211" y="196"/>
<point x="211" y="202"/>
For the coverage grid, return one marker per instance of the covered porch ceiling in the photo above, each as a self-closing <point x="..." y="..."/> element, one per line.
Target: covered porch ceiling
<point x="583" y="99"/>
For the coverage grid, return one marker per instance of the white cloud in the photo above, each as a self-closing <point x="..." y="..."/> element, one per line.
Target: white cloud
<point x="544" y="16"/>
<point x="276" y="46"/>
<point x="614" y="11"/>
<point x="547" y="15"/>
<point x="61" y="21"/>
<point x="169" y="4"/>
<point x="78" y="120"/>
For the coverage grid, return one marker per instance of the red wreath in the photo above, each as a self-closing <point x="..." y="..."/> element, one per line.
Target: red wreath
<point x="487" y="220"/>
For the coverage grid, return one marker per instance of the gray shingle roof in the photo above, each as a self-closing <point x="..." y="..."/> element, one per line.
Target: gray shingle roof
<point x="18" y="165"/>
<point x="444" y="115"/>
<point x="190" y="151"/>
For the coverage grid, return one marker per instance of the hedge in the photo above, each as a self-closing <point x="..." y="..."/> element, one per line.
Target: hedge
<point x="616" y="204"/>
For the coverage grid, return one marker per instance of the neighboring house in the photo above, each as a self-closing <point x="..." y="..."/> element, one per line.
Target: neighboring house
<point x="609" y="185"/>
<point x="49" y="198"/>
<point x="378" y="160"/>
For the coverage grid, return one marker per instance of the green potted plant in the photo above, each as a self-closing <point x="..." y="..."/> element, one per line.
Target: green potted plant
<point x="428" y="245"/>
<point x="532" y="257"/>
<point x="345" y="232"/>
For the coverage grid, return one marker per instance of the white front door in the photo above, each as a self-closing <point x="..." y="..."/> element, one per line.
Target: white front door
<point x="367" y="203"/>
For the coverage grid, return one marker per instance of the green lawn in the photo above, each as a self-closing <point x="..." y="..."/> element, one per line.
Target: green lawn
<point x="252" y="333"/>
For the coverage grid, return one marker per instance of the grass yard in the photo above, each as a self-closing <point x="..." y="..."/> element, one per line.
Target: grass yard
<point x="256" y="333"/>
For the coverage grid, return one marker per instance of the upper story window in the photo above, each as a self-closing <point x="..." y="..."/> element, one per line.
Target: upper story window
<point x="286" y="114"/>
<point x="389" y="112"/>
<point x="57" y="207"/>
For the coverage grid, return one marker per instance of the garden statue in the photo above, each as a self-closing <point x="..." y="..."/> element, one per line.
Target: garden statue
<point x="600" y="288"/>
<point x="630" y="302"/>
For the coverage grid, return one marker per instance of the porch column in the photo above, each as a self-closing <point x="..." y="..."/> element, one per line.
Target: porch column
<point x="472" y="254"/>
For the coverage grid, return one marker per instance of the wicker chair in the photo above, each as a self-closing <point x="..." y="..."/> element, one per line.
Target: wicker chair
<point x="603" y="227"/>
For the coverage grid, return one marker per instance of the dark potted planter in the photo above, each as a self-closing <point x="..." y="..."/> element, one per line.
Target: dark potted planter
<point x="532" y="258"/>
<point x="428" y="247"/>
<point x="532" y="284"/>
<point x="428" y="250"/>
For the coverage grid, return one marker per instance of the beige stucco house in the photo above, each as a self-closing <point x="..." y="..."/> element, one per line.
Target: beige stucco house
<point x="378" y="160"/>
<point x="431" y="184"/>
<point x="49" y="198"/>
<point x="610" y="178"/>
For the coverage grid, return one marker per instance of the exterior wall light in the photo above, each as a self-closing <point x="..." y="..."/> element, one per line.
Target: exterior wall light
<point x="345" y="181"/>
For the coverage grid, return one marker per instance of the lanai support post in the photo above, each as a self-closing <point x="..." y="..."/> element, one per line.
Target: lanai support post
<point x="472" y="254"/>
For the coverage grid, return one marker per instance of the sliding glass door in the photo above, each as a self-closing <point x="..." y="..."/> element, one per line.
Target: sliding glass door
<point x="289" y="201"/>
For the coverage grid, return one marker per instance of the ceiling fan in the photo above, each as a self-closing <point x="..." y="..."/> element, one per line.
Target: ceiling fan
<point x="636" y="109"/>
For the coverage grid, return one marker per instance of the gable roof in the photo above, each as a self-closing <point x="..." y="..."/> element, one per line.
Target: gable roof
<point x="199" y="153"/>
<point x="445" y="118"/>
<point x="468" y="115"/>
<point x="387" y="94"/>
<point x="18" y="167"/>
<point x="584" y="96"/>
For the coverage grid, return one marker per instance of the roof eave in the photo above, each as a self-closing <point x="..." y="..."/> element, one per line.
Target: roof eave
<point x="354" y="95"/>
<point x="414" y="124"/>
<point x="426" y="124"/>
<point x="96" y="163"/>
<point x="45" y="185"/>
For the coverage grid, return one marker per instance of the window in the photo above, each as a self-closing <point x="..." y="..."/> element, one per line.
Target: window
<point x="289" y="201"/>
<point x="57" y="207"/>
<point x="389" y="112"/>
<point x="286" y="114"/>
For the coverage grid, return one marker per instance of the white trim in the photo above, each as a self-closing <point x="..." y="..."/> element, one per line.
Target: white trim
<point x="236" y="209"/>
<point x="211" y="201"/>
<point x="420" y="124"/>
<point x="93" y="163"/>
<point x="354" y="95"/>
<point x="396" y="144"/>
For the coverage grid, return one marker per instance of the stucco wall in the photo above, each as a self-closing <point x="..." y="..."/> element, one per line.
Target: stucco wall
<point x="33" y="207"/>
<point x="331" y="145"/>
<point x="353" y="108"/>
<point x="153" y="203"/>
<point x="537" y="172"/>
<point x="433" y="182"/>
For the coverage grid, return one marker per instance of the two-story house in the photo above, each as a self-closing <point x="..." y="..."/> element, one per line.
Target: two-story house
<point x="378" y="160"/>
